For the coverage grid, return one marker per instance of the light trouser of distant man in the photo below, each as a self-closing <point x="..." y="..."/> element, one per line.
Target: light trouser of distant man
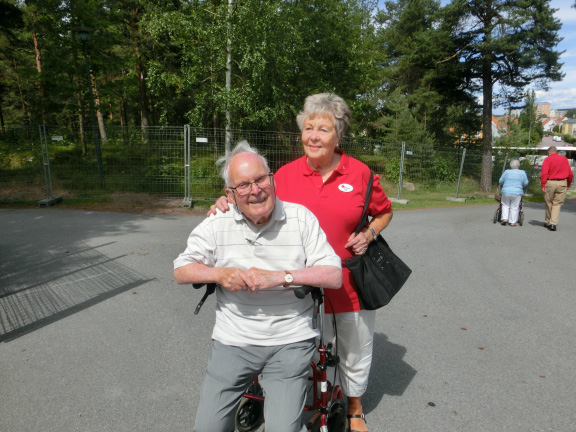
<point x="284" y="376"/>
<point x="510" y="208"/>
<point x="555" y="196"/>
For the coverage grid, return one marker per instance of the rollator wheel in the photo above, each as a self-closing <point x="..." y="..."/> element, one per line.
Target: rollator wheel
<point x="497" y="215"/>
<point x="337" y="421"/>
<point x="521" y="218"/>
<point x="250" y="413"/>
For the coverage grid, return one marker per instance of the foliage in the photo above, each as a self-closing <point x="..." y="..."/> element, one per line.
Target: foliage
<point x="410" y="71"/>
<point x="504" y="42"/>
<point x="414" y="42"/>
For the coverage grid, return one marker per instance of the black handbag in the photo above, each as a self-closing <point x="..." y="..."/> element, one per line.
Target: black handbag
<point x="379" y="273"/>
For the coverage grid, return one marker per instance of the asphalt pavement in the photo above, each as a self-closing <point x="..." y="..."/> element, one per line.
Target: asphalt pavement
<point x="96" y="336"/>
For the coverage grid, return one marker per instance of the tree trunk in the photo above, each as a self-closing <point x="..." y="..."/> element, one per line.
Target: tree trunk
<point x="141" y="75"/>
<point x="486" y="178"/>
<point x="81" y="130"/>
<point x="99" y="116"/>
<point x="39" y="69"/>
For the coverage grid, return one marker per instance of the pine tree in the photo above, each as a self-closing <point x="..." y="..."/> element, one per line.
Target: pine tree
<point x="505" y="46"/>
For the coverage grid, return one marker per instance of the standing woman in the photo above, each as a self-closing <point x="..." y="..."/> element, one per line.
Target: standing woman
<point x="333" y="185"/>
<point x="512" y="182"/>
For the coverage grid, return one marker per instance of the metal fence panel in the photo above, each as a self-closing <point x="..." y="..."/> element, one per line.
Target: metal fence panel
<point x="179" y="162"/>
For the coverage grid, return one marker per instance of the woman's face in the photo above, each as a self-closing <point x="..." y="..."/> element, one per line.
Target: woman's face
<point x="319" y="138"/>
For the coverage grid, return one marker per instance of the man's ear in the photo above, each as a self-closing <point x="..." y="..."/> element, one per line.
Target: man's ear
<point x="229" y="195"/>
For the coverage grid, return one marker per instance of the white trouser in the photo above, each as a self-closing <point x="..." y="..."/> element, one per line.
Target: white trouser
<point x="355" y="341"/>
<point x="510" y="207"/>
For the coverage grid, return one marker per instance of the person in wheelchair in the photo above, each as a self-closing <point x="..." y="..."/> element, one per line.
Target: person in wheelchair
<point x="257" y="253"/>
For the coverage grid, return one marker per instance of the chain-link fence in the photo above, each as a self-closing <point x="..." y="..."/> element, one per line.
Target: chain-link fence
<point x="179" y="162"/>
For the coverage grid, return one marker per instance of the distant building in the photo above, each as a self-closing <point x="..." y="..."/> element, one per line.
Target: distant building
<point x="548" y="124"/>
<point x="500" y="125"/>
<point x="543" y="109"/>
<point x="558" y="112"/>
<point x="568" y="127"/>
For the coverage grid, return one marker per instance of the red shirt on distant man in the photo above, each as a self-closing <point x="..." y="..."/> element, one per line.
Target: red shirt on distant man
<point x="556" y="177"/>
<point x="556" y="167"/>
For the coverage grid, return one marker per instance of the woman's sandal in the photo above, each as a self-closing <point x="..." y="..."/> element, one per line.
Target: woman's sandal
<point x="351" y="416"/>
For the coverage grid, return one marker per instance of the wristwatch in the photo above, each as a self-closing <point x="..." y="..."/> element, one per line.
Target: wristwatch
<point x="372" y="232"/>
<point x="288" y="278"/>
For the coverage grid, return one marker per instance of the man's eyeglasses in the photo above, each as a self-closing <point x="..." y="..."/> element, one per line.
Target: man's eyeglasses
<point x="245" y="188"/>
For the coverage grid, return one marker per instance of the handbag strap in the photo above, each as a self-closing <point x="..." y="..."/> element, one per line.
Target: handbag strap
<point x="364" y="217"/>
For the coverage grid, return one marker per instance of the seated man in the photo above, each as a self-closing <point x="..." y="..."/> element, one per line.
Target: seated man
<point x="256" y="253"/>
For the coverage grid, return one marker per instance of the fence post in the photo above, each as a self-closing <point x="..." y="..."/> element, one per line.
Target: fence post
<point x="460" y="174"/>
<point x="50" y="199"/>
<point x="532" y="169"/>
<point x="187" y="201"/>
<point x="504" y="164"/>
<point x="401" y="169"/>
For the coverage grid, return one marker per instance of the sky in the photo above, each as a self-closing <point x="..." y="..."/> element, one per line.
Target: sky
<point x="561" y="94"/>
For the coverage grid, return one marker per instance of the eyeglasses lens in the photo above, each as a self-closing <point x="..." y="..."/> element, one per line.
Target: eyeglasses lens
<point x="261" y="182"/>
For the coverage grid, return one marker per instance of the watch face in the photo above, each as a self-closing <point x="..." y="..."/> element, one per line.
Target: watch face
<point x="289" y="278"/>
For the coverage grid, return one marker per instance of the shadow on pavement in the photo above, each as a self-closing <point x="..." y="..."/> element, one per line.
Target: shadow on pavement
<point x="46" y="286"/>
<point x="389" y="375"/>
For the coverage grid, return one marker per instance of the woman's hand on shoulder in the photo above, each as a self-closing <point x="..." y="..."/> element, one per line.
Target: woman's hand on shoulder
<point x="220" y="204"/>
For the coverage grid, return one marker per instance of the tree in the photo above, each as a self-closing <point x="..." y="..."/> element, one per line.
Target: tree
<point x="10" y="21"/>
<point x="282" y="52"/>
<point x="414" y="40"/>
<point x="529" y="122"/>
<point x="505" y="46"/>
<point x="398" y="122"/>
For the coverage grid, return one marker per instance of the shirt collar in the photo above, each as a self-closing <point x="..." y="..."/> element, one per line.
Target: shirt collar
<point x="277" y="214"/>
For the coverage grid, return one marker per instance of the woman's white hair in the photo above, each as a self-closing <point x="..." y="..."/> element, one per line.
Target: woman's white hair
<point x="515" y="164"/>
<point x="326" y="104"/>
<point x="241" y="147"/>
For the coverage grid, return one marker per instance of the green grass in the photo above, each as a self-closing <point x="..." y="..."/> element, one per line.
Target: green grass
<point x="420" y="198"/>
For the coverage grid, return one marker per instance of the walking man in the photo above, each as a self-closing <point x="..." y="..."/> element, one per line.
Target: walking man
<point x="556" y="177"/>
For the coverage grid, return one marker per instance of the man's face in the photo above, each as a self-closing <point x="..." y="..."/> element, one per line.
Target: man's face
<point x="258" y="204"/>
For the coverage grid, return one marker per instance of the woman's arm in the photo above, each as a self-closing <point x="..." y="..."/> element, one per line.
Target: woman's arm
<point x="378" y="224"/>
<point x="359" y="243"/>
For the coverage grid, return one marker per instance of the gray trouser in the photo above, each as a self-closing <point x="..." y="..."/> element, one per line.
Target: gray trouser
<point x="284" y="375"/>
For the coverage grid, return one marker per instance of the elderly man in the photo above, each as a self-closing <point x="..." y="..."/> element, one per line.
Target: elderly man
<point x="556" y="177"/>
<point x="256" y="254"/>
